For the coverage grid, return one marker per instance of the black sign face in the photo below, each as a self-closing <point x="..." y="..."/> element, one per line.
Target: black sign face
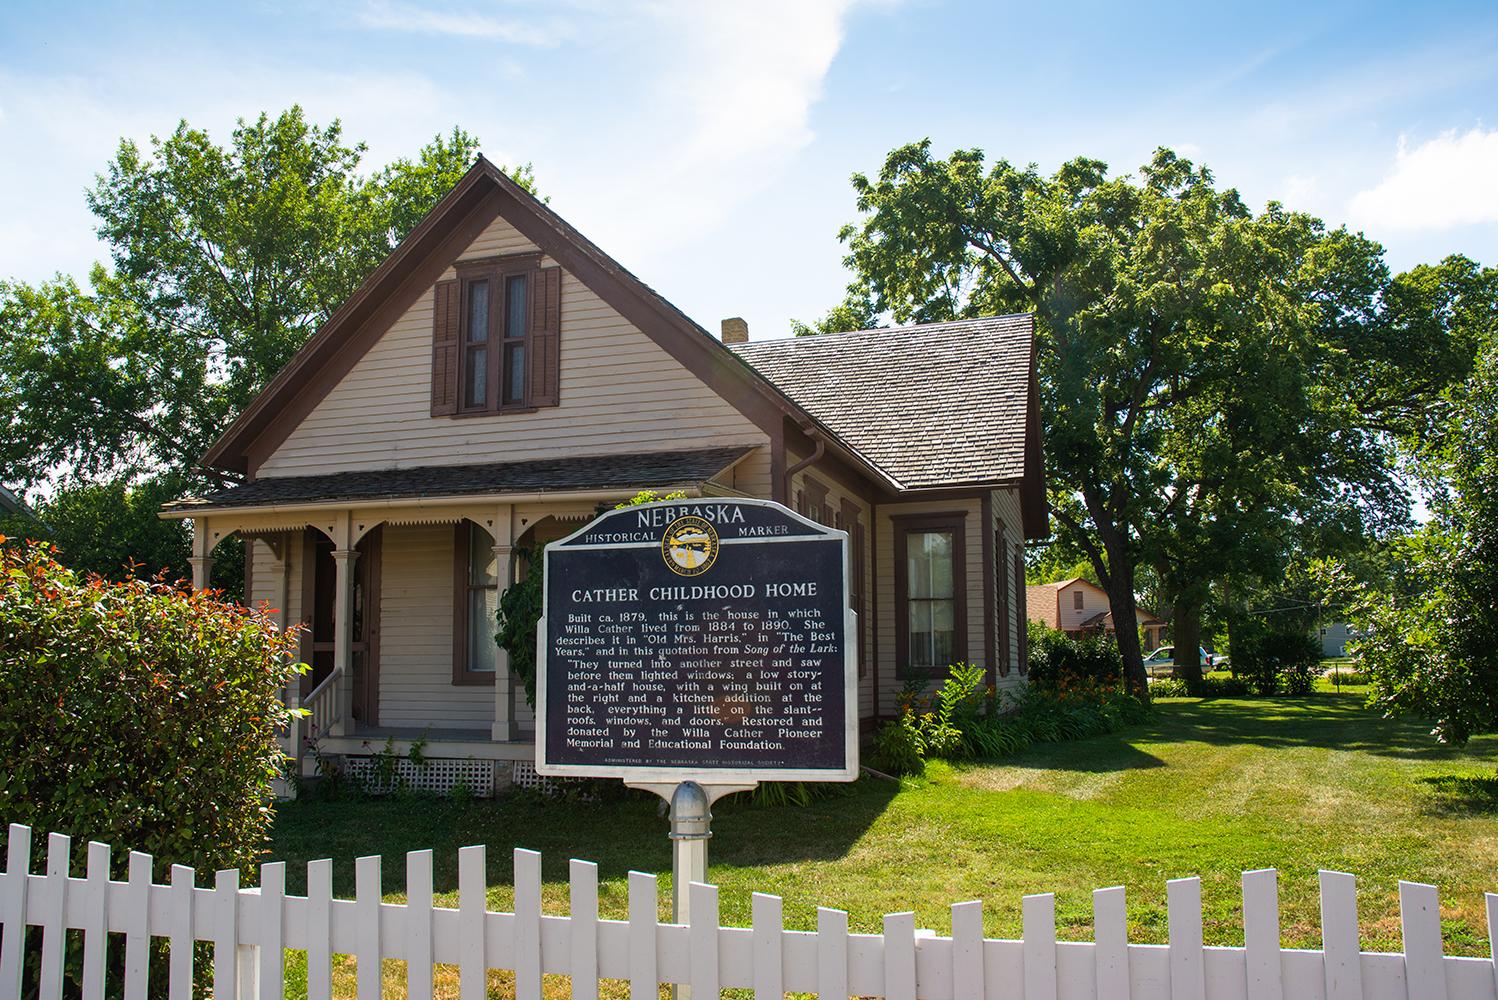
<point x="702" y="639"/>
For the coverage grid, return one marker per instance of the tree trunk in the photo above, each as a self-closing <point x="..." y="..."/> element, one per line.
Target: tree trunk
<point x="1120" y="587"/>
<point x="1186" y="633"/>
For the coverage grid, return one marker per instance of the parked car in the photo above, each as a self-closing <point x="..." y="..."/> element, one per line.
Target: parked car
<point x="1163" y="660"/>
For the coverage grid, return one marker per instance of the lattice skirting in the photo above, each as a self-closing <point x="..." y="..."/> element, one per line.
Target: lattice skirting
<point x="525" y="776"/>
<point x="438" y="775"/>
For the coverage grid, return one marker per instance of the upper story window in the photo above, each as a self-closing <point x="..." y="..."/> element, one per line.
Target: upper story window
<point x="496" y="337"/>
<point x="1076" y="600"/>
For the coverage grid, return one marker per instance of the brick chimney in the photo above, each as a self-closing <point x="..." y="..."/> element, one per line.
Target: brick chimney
<point x="735" y="331"/>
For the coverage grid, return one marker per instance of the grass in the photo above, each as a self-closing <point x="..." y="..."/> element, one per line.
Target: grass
<point x="1207" y="788"/>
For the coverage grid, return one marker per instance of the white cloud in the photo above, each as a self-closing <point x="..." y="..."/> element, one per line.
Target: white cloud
<point x="388" y="16"/>
<point x="726" y="92"/>
<point x="1449" y="181"/>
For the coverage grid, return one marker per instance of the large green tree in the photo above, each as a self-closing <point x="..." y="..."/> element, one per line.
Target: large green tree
<point x="1430" y="639"/>
<point x="224" y="260"/>
<point x="1211" y="379"/>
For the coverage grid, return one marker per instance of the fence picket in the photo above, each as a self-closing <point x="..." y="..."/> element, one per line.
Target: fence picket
<point x="418" y="925"/>
<point x="473" y="907"/>
<point x="644" y="917"/>
<point x="527" y="925"/>
<point x="1261" y="934"/>
<point x="1110" y="932"/>
<point x="1339" y="936"/>
<point x="1183" y="902"/>
<point x="179" y="968"/>
<point x="768" y="914"/>
<point x="832" y="954"/>
<point x="138" y="933"/>
<point x="95" y="920"/>
<point x="583" y="926"/>
<point x="1492" y="901"/>
<point x="1424" y="965"/>
<point x="899" y="956"/>
<point x="226" y="935"/>
<point x="900" y="964"/>
<point x="54" y="925"/>
<point x="967" y="950"/>
<point x="272" y="950"/>
<point x="13" y="910"/>
<point x="367" y="950"/>
<point x="703" y="938"/>
<point x="320" y="929"/>
<point x="1038" y="913"/>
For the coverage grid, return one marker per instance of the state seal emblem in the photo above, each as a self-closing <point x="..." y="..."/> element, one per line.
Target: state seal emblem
<point x="689" y="545"/>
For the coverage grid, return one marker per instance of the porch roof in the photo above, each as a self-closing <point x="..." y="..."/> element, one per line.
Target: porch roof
<point x="639" y="470"/>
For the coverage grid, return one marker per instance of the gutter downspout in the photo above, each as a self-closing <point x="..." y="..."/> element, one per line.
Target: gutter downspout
<point x="812" y="459"/>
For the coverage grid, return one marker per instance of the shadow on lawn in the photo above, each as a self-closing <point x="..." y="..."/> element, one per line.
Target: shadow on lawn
<point x="620" y="836"/>
<point x="1332" y="721"/>
<point x="1462" y="794"/>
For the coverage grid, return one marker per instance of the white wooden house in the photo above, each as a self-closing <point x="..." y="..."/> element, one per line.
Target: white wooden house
<point x="498" y="379"/>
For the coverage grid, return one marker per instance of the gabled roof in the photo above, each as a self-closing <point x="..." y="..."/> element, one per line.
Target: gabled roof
<point x="971" y="418"/>
<point x="651" y="470"/>
<point x="483" y="194"/>
<point x="937" y="405"/>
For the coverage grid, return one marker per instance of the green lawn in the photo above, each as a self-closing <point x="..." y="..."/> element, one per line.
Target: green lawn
<point x="1207" y="788"/>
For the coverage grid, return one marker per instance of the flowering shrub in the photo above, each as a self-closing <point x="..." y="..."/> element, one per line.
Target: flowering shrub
<point x="954" y="726"/>
<point x="1055" y="657"/>
<point x="138" y="714"/>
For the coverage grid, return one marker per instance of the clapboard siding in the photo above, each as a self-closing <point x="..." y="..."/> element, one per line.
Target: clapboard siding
<point x="416" y="635"/>
<point x="837" y="491"/>
<point x="265" y="585"/>
<point x="619" y="393"/>
<point x="1006" y="512"/>
<point x="890" y="682"/>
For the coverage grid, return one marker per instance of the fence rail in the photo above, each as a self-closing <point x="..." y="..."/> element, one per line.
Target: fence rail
<point x="252" y="927"/>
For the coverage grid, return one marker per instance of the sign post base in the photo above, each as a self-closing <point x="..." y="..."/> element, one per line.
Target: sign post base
<point x="691" y="829"/>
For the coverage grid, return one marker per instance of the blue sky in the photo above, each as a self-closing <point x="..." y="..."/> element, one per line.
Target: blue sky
<point x="708" y="145"/>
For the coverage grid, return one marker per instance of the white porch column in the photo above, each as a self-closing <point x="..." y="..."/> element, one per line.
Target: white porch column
<point x="504" y="728"/>
<point x="202" y="553"/>
<point x="344" y="557"/>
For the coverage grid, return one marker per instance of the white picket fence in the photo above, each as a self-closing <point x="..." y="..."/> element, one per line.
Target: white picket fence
<point x="252" y="928"/>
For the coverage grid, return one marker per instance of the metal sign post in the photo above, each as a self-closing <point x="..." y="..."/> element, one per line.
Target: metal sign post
<point x="691" y="828"/>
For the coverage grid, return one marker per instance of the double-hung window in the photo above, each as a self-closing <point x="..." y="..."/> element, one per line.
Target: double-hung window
<point x="476" y="599"/>
<point x="930" y="595"/>
<point x="496" y="333"/>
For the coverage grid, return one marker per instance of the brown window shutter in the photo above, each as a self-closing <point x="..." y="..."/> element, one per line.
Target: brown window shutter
<point x="445" y="311"/>
<point x="544" y="372"/>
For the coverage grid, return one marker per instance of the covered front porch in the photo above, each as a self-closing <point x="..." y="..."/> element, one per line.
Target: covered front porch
<point x="396" y="598"/>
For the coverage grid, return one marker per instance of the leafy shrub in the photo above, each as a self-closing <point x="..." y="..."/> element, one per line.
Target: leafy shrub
<point x="1275" y="657"/>
<point x="519" y="613"/>
<point x="1209" y="687"/>
<point x="1169" y="687"/>
<point x="898" y="746"/>
<point x="1056" y="658"/>
<point x="952" y="727"/>
<point x="138" y="714"/>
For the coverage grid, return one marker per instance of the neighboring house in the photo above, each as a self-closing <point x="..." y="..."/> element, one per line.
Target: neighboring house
<point x="499" y="379"/>
<point x="1080" y="608"/>
<point x="1334" y="639"/>
<point x="12" y="504"/>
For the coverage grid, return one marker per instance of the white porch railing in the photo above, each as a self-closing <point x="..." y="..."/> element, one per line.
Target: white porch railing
<point x="253" y="927"/>
<point x="323" y="704"/>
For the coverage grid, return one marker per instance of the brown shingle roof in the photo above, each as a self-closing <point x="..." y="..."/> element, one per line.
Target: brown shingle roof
<point x="651" y="470"/>
<point x="941" y="404"/>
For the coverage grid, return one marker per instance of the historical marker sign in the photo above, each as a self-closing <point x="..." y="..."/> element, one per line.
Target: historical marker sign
<point x="701" y="639"/>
